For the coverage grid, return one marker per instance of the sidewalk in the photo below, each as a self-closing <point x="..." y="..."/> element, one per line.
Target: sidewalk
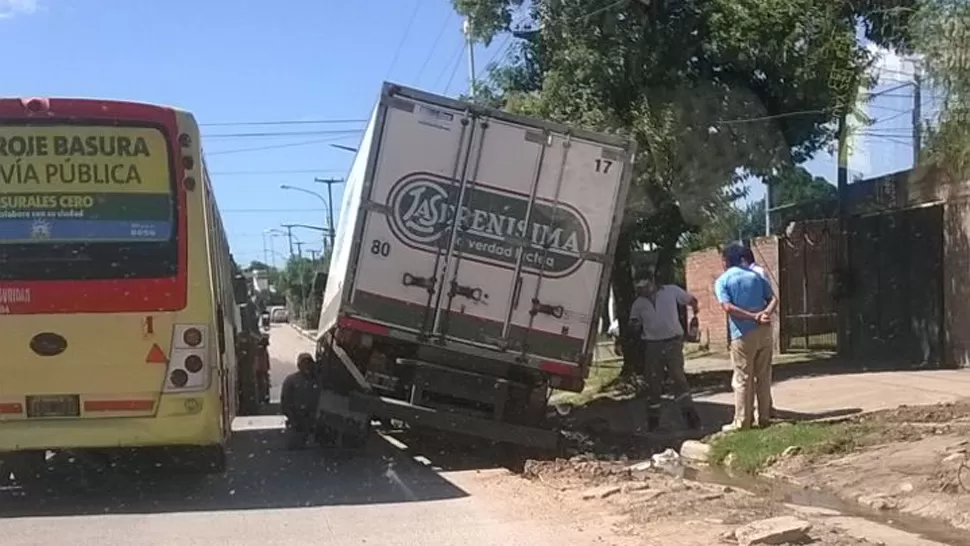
<point x="309" y="334"/>
<point x="863" y="391"/>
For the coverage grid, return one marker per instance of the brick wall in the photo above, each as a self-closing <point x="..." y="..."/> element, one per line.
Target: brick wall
<point x="703" y="267"/>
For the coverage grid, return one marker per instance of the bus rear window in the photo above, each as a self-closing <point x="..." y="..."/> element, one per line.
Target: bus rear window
<point x="85" y="201"/>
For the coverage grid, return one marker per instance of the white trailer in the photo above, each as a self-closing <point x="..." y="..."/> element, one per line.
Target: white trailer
<point x="471" y="262"/>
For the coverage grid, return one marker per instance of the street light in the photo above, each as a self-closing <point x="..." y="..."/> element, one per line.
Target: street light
<point x="322" y="199"/>
<point x="304" y="190"/>
<point x="270" y="251"/>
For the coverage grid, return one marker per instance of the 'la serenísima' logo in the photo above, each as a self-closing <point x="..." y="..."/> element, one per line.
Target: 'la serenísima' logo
<point x="423" y="206"/>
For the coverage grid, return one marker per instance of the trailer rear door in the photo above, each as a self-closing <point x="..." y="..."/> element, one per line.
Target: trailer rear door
<point x="486" y="231"/>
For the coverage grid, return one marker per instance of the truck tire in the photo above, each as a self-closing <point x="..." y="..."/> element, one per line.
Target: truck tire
<point x="333" y="375"/>
<point x="28" y="467"/>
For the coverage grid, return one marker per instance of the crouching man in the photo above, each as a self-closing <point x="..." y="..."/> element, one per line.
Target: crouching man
<point x="299" y="397"/>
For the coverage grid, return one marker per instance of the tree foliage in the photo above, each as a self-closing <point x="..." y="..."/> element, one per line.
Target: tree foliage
<point x="296" y="283"/>
<point x="789" y="187"/>
<point x="940" y="36"/>
<point x="712" y="91"/>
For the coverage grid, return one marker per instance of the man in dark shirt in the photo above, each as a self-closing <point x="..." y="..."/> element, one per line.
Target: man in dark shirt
<point x="299" y="397"/>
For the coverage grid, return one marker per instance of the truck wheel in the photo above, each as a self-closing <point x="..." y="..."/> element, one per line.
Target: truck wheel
<point x="333" y="375"/>
<point x="27" y="467"/>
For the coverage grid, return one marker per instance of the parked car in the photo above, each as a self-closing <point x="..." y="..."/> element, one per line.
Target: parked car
<point x="279" y="315"/>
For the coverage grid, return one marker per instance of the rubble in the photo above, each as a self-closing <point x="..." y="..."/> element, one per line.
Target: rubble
<point x="692" y="450"/>
<point x="601" y="492"/>
<point x="778" y="530"/>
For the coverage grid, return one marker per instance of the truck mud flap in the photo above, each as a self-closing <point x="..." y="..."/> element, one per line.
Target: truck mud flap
<point x="391" y="408"/>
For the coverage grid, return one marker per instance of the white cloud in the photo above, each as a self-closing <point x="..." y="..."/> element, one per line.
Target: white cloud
<point x="889" y="66"/>
<point x="12" y="8"/>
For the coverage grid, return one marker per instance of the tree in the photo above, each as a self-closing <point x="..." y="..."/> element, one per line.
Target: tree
<point x="296" y="282"/>
<point x="940" y="35"/>
<point x="712" y="91"/>
<point x="797" y="185"/>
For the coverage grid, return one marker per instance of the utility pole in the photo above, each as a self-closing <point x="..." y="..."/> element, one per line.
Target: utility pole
<point x="769" y="202"/>
<point x="469" y="42"/>
<point x="917" y="113"/>
<point x="299" y="249"/>
<point x="842" y="185"/>
<point x="313" y="254"/>
<point x="289" y="237"/>
<point x="330" y="182"/>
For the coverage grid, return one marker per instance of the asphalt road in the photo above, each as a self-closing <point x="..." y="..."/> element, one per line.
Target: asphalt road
<point x="387" y="494"/>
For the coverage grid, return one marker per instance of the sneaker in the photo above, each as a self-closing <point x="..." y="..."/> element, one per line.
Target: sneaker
<point x="731" y="427"/>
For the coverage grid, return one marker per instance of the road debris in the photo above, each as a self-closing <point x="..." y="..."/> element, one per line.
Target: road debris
<point x="695" y="451"/>
<point x="780" y="530"/>
<point x="601" y="492"/>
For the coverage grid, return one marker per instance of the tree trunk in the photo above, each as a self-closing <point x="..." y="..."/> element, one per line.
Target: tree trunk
<point x="622" y="280"/>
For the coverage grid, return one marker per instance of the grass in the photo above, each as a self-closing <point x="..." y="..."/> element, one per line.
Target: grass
<point x="601" y="376"/>
<point x="756" y="448"/>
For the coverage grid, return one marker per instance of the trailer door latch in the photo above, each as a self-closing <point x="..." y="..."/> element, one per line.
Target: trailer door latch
<point x="472" y="293"/>
<point x="546" y="309"/>
<point x="423" y="282"/>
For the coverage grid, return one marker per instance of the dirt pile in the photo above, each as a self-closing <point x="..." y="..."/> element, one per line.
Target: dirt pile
<point x="657" y="507"/>
<point x="911" y="459"/>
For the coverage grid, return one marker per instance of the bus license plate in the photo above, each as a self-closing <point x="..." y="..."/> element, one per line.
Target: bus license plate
<point x="53" y="406"/>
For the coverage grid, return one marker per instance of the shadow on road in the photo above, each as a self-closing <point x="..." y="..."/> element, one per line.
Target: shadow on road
<point x="261" y="475"/>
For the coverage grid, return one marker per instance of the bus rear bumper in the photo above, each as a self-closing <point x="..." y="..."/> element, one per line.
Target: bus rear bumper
<point x="176" y="423"/>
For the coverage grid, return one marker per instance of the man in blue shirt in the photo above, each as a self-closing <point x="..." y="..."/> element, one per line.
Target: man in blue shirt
<point x="749" y="302"/>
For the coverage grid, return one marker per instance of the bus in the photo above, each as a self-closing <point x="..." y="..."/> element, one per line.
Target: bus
<point x="117" y="310"/>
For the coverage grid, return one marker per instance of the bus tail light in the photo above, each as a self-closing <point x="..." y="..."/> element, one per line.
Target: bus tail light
<point x="192" y="337"/>
<point x="187" y="369"/>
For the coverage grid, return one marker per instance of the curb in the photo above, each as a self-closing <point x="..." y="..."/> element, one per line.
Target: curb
<point x="303" y="333"/>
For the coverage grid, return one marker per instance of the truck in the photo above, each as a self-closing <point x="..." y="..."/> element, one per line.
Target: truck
<point x="470" y="264"/>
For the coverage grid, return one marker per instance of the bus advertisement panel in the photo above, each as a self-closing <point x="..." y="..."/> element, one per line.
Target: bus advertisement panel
<point x="87" y="202"/>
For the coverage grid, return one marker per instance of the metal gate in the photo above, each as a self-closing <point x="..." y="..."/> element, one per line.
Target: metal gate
<point x="806" y="258"/>
<point x="896" y="307"/>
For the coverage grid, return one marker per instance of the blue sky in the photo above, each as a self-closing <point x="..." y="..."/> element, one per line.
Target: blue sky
<point x="302" y="60"/>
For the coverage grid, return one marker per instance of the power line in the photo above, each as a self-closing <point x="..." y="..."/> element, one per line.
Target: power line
<point x="283" y="122"/>
<point x="284" y="134"/>
<point x="453" y="71"/>
<point x="900" y="114"/>
<point x="501" y="50"/>
<point x="434" y="45"/>
<point x="772" y="117"/>
<point x="407" y="31"/>
<point x="284" y="171"/>
<point x="455" y="58"/>
<point x="273" y="147"/>
<point x="606" y="8"/>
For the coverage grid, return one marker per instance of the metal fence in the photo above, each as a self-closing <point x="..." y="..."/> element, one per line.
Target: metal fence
<point x="806" y="258"/>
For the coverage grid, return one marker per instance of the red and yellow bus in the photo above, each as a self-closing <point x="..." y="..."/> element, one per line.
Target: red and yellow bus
<point x="117" y="312"/>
